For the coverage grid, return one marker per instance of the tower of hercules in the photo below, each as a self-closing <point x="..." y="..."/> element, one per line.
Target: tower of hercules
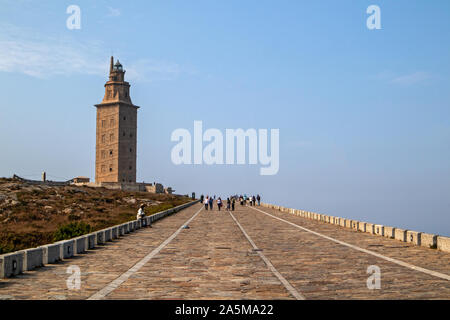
<point x="115" y="159"/>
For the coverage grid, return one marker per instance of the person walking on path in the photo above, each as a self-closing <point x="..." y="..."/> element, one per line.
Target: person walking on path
<point x="201" y="198"/>
<point x="206" y="202"/>
<point x="232" y="204"/>
<point x="219" y="203"/>
<point x="228" y="204"/>
<point x="259" y="199"/>
<point x="211" y="203"/>
<point x="254" y="200"/>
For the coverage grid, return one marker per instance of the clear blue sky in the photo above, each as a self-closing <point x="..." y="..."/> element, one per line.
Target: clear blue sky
<point x="364" y="116"/>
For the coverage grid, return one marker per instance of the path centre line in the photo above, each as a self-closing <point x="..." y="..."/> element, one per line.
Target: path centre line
<point x="401" y="263"/>
<point x="101" y="294"/>
<point x="285" y="283"/>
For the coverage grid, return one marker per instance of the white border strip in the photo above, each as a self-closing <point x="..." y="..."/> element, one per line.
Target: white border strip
<point x="401" y="263"/>
<point x="286" y="283"/>
<point x="124" y="277"/>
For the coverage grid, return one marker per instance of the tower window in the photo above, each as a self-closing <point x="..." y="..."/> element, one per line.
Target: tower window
<point x="110" y="169"/>
<point x="103" y="138"/>
<point x="103" y="154"/>
<point x="131" y="150"/>
<point x="124" y="118"/>
<point x="111" y="137"/>
<point x="103" y="123"/>
<point x="111" y="123"/>
<point x="103" y="168"/>
<point x="110" y="153"/>
<point x="124" y="133"/>
<point x="131" y="135"/>
<point x="130" y="167"/>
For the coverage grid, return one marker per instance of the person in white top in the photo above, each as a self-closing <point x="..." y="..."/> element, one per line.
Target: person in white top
<point x="141" y="214"/>
<point x="219" y="203"/>
<point x="206" y="203"/>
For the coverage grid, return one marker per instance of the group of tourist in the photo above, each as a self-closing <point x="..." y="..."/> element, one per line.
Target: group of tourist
<point x="231" y="201"/>
<point x="252" y="200"/>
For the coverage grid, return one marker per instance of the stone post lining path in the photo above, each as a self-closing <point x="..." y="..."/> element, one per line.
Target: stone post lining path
<point x="215" y="258"/>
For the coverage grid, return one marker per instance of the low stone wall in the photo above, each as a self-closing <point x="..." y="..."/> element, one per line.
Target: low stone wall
<point x="414" y="237"/>
<point x="14" y="263"/>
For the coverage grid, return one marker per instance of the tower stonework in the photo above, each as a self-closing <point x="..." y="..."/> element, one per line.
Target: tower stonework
<point x="116" y="140"/>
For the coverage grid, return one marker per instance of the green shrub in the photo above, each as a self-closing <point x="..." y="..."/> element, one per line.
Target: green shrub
<point x="71" y="230"/>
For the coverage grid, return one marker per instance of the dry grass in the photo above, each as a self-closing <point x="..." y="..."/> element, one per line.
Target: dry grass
<point x="31" y="214"/>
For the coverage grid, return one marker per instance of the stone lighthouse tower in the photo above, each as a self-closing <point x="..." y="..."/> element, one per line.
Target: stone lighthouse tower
<point x="115" y="159"/>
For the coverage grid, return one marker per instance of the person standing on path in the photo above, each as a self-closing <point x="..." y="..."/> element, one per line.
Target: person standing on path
<point x="219" y="203"/>
<point x="232" y="204"/>
<point x="206" y="202"/>
<point x="259" y="199"/>
<point x="201" y="198"/>
<point x="228" y="204"/>
<point x="211" y="203"/>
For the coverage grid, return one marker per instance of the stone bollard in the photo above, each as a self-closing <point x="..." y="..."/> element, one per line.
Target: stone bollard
<point x="11" y="264"/>
<point x="108" y="236"/>
<point x="33" y="258"/>
<point x="400" y="234"/>
<point x="362" y="226"/>
<point x="443" y="243"/>
<point x="114" y="232"/>
<point x="121" y="230"/>
<point x="100" y="237"/>
<point x="428" y="240"/>
<point x="370" y="228"/>
<point x="80" y="245"/>
<point x="66" y="248"/>
<point x="413" y="237"/>
<point x="92" y="240"/>
<point x="389" y="232"/>
<point x="51" y="253"/>
<point x="379" y="230"/>
<point x="348" y="223"/>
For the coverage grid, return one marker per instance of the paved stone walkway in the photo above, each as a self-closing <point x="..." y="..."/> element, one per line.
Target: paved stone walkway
<point x="213" y="259"/>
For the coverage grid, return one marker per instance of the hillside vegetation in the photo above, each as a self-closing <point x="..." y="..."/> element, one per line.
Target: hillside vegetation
<point x="33" y="215"/>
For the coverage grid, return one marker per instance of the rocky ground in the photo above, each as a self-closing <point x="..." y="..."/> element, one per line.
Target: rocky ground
<point x="31" y="214"/>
